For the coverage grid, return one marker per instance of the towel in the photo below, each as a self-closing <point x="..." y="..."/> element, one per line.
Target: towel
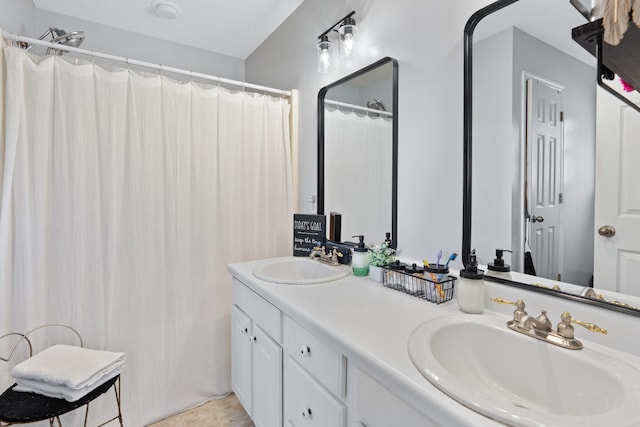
<point x="60" y="391"/>
<point x="615" y="19"/>
<point x="73" y="367"/>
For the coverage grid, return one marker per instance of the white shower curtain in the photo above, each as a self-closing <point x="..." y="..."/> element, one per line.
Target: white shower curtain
<point x="124" y="198"/>
<point x="348" y="136"/>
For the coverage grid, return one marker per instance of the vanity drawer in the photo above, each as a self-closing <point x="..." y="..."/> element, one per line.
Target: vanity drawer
<point x="306" y="402"/>
<point x="262" y="312"/>
<point x="326" y="365"/>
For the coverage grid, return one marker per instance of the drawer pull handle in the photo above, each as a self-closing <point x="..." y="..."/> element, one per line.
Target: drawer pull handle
<point x="306" y="414"/>
<point x="305" y="350"/>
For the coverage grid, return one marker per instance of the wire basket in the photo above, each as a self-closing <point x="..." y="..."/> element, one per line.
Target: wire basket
<point x="431" y="287"/>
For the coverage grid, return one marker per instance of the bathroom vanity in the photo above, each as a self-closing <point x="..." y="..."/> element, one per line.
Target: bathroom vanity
<point x="335" y="353"/>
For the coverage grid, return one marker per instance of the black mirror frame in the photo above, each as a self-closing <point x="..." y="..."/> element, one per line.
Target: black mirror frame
<point x="469" y="28"/>
<point x="321" y="96"/>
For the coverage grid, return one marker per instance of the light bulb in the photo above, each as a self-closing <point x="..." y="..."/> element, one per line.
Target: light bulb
<point x="348" y="45"/>
<point x="324" y="55"/>
<point x="325" y="58"/>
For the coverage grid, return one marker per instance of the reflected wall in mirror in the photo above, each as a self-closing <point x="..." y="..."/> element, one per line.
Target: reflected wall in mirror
<point x="534" y="146"/>
<point x="357" y="151"/>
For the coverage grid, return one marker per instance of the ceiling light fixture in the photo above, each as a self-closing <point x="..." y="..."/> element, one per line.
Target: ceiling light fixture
<point x="348" y="48"/>
<point x="165" y="9"/>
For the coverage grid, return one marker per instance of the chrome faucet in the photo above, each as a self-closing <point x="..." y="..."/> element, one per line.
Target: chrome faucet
<point x="330" y="258"/>
<point x="541" y="327"/>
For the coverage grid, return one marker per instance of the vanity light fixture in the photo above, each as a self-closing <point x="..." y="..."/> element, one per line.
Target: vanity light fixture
<point x="348" y="47"/>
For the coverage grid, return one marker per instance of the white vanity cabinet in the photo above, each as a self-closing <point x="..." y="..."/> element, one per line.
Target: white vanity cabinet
<point x="314" y="380"/>
<point x="256" y="354"/>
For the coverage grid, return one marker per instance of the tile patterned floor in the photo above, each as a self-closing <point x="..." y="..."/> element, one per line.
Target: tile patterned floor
<point x="227" y="412"/>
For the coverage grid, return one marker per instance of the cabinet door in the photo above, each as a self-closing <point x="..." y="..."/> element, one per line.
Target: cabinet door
<point x="307" y="403"/>
<point x="267" y="380"/>
<point x="241" y="357"/>
<point x="378" y="407"/>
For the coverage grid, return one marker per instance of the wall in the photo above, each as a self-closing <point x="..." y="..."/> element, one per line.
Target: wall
<point x="494" y="163"/>
<point x="426" y="39"/>
<point x="21" y="17"/>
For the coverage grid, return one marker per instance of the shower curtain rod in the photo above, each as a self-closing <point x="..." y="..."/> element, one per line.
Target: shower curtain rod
<point x="160" y="67"/>
<point x="357" y="107"/>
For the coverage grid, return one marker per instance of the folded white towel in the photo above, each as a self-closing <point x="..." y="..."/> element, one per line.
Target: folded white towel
<point x="73" y="367"/>
<point x="60" y="391"/>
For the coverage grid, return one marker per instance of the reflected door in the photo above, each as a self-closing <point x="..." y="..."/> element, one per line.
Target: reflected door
<point x="544" y="177"/>
<point x="617" y="256"/>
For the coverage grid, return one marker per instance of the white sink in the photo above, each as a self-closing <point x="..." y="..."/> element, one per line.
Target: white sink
<point x="299" y="271"/>
<point x="522" y="381"/>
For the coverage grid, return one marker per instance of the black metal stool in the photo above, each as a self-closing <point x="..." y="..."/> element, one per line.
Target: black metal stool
<point x="17" y="407"/>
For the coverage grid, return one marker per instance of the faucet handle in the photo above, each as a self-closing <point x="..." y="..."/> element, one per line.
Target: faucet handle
<point x="590" y="326"/>
<point x="518" y="313"/>
<point x="499" y="300"/>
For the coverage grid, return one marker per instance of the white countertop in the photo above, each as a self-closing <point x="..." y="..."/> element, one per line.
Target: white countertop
<point x="370" y="325"/>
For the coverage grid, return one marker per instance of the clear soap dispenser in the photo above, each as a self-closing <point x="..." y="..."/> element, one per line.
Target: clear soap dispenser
<point x="360" y="259"/>
<point x="471" y="287"/>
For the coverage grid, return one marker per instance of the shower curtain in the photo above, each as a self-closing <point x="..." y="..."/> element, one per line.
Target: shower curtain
<point x="348" y="136"/>
<point x="124" y="198"/>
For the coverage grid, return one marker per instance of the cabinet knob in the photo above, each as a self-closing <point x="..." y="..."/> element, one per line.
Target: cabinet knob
<point x="305" y="350"/>
<point x="306" y="414"/>
<point x="244" y="331"/>
<point x="253" y="339"/>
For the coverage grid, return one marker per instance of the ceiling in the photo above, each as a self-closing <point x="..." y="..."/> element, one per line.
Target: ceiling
<point x="230" y="27"/>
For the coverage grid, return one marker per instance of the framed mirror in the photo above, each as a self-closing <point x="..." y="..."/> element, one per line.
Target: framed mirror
<point x="530" y="135"/>
<point x="358" y="151"/>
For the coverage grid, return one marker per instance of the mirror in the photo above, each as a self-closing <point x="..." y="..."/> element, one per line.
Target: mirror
<point x="358" y="151"/>
<point x="531" y="111"/>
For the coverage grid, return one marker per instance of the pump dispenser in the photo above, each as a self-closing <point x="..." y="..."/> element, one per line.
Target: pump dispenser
<point x="498" y="263"/>
<point x="498" y="268"/>
<point x="360" y="260"/>
<point x="471" y="287"/>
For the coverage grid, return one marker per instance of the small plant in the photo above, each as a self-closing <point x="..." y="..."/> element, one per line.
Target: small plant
<point x="381" y="255"/>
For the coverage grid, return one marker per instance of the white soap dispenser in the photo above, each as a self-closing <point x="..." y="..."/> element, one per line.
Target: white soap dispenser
<point x="498" y="268"/>
<point x="471" y="287"/>
<point x="360" y="259"/>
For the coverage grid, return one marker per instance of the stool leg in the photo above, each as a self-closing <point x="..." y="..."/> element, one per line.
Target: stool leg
<point x="86" y="415"/>
<point x="117" y="391"/>
<point x="59" y="423"/>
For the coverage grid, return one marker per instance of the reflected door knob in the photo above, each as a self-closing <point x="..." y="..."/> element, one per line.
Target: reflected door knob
<point x="607" y="231"/>
<point x="538" y="218"/>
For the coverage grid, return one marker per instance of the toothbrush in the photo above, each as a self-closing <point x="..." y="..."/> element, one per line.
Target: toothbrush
<point x="452" y="257"/>
<point x="434" y="281"/>
<point x="439" y="257"/>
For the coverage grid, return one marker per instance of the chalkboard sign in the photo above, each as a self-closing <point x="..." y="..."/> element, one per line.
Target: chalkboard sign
<point x="308" y="233"/>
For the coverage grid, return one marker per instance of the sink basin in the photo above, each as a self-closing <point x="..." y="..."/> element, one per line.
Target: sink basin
<point x="521" y="381"/>
<point x="299" y="271"/>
